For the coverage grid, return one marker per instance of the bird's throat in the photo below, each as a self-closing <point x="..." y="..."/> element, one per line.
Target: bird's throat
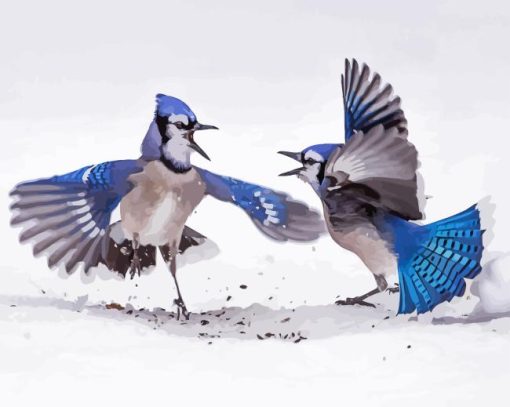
<point x="176" y="157"/>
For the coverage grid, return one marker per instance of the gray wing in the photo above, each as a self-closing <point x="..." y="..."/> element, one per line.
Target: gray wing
<point x="383" y="164"/>
<point x="303" y="224"/>
<point x="66" y="216"/>
<point x="367" y="104"/>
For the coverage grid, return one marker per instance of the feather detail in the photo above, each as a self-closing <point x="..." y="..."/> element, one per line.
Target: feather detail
<point x="366" y="105"/>
<point x="274" y="213"/>
<point x="435" y="259"/>
<point x="65" y="216"/>
<point x="382" y="162"/>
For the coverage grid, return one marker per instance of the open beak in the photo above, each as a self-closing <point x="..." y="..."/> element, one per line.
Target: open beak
<point x="294" y="156"/>
<point x="292" y="172"/>
<point x="197" y="148"/>
<point x="193" y="144"/>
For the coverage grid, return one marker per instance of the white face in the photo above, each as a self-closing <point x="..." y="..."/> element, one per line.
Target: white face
<point x="177" y="126"/>
<point x="177" y="149"/>
<point x="312" y="163"/>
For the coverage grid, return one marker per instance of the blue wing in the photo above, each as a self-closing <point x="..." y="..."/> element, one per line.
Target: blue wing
<point x="67" y="215"/>
<point x="366" y="105"/>
<point x="276" y="214"/>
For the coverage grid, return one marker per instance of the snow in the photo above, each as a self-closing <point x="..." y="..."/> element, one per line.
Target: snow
<point x="57" y="350"/>
<point x="493" y="287"/>
<point x="87" y="96"/>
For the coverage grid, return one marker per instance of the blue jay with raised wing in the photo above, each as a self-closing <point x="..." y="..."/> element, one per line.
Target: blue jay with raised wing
<point x="368" y="188"/>
<point x="68" y="216"/>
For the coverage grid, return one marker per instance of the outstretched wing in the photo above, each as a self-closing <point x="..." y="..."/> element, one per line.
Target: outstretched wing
<point x="366" y="104"/>
<point x="67" y="215"/>
<point x="275" y="214"/>
<point x="383" y="164"/>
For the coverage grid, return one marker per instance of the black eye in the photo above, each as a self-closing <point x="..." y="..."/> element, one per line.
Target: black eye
<point x="310" y="161"/>
<point x="179" y="125"/>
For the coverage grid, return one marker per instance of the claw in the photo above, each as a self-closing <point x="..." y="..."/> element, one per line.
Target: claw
<point x="393" y="290"/>
<point x="181" y="308"/>
<point x="354" y="301"/>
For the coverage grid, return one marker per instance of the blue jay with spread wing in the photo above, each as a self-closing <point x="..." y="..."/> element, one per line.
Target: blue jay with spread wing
<point x="368" y="188"/>
<point x="67" y="217"/>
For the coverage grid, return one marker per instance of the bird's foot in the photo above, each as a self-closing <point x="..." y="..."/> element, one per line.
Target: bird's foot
<point x="393" y="290"/>
<point x="181" y="309"/>
<point x="135" y="267"/>
<point x="354" y="301"/>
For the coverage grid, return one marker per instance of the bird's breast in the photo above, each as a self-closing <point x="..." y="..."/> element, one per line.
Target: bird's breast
<point x="366" y="241"/>
<point x="159" y="204"/>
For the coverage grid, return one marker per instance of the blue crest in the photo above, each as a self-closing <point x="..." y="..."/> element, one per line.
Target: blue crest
<point x="168" y="105"/>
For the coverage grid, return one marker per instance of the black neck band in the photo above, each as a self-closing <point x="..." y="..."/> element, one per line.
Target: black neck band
<point x="171" y="166"/>
<point x="320" y="175"/>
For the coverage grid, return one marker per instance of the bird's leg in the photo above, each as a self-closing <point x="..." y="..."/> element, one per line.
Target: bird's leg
<point x="394" y="290"/>
<point x="135" y="261"/>
<point x="181" y="307"/>
<point x="382" y="284"/>
<point x="360" y="300"/>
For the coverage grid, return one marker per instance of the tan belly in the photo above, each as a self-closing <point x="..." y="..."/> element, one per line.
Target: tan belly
<point x="365" y="242"/>
<point x="159" y="204"/>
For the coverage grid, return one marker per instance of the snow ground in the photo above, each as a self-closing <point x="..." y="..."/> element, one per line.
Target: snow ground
<point x="79" y="85"/>
<point x="90" y="354"/>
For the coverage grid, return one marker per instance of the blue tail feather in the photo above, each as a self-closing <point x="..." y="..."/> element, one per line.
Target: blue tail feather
<point x="434" y="259"/>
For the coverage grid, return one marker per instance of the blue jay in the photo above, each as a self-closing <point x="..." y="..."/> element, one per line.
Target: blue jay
<point x="368" y="188"/>
<point x="68" y="216"/>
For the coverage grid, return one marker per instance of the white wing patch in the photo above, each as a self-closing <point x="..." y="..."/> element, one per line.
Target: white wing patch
<point x="271" y="215"/>
<point x="85" y="218"/>
<point x="271" y="219"/>
<point x="86" y="174"/>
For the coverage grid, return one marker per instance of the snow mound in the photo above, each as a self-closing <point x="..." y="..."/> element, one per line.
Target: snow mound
<point x="493" y="287"/>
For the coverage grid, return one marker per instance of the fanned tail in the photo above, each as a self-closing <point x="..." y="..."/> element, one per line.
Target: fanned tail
<point x="436" y="258"/>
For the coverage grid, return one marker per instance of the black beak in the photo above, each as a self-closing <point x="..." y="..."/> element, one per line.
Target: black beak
<point x="294" y="156"/>
<point x="192" y="142"/>
<point x="200" y="126"/>
<point x="292" y="172"/>
<point x="198" y="149"/>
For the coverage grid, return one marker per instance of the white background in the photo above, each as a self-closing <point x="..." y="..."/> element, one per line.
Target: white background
<point x="77" y="87"/>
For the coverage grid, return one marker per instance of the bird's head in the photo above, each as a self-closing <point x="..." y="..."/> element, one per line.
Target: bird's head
<point x="177" y="124"/>
<point x="313" y="161"/>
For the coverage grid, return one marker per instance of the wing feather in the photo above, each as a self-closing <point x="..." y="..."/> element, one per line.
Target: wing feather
<point x="366" y="105"/>
<point x="66" y="215"/>
<point x="274" y="213"/>
<point x="383" y="162"/>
